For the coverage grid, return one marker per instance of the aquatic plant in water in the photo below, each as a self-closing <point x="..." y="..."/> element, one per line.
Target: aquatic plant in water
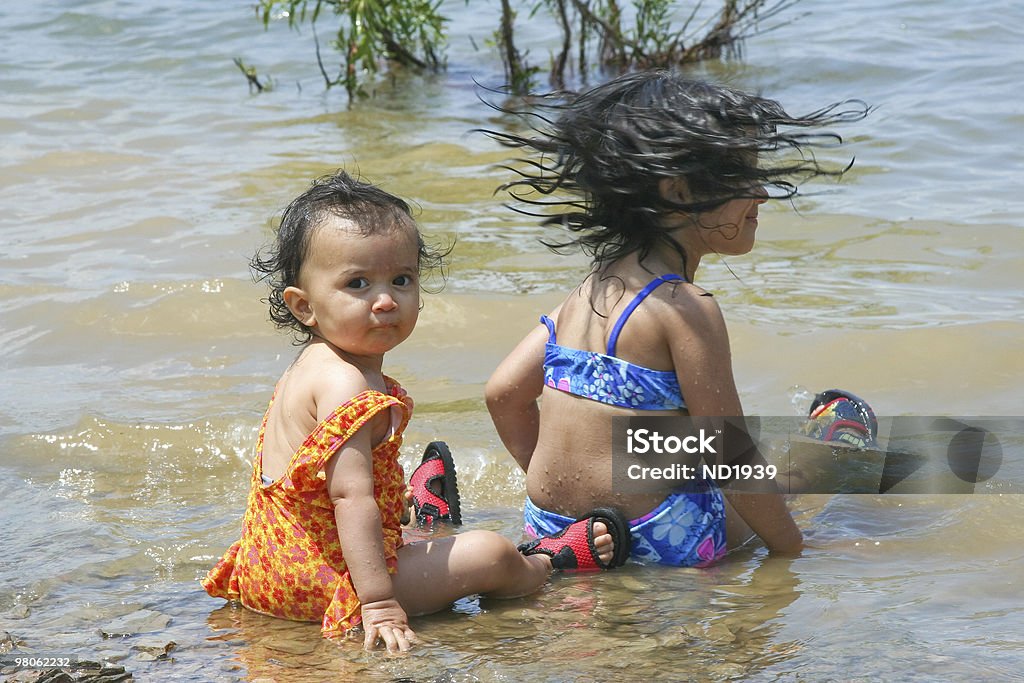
<point x="597" y="36"/>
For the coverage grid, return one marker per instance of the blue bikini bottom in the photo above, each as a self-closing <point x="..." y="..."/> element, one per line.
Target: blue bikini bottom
<point x="685" y="530"/>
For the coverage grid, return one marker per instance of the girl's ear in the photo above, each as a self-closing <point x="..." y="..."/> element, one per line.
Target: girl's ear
<point x="298" y="303"/>
<point x="675" y="190"/>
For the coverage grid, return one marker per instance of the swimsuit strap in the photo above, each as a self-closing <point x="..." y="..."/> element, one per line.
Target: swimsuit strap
<point x="641" y="295"/>
<point x="551" y="328"/>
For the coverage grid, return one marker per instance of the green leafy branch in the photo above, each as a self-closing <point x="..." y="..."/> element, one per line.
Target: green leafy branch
<point x="410" y="33"/>
<point x="595" y="35"/>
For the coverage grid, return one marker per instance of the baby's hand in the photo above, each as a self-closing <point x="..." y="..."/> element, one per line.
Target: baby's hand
<point x="386" y="620"/>
<point x="407" y="510"/>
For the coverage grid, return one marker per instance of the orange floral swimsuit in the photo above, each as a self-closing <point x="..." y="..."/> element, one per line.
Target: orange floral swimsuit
<point x="288" y="562"/>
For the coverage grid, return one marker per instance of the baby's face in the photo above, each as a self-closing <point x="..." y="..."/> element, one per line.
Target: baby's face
<point x="363" y="290"/>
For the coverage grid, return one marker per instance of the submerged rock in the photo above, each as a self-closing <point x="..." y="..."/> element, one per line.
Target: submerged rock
<point x="82" y="672"/>
<point x="140" y="621"/>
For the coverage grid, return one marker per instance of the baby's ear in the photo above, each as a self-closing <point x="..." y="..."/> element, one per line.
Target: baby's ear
<point x="298" y="303"/>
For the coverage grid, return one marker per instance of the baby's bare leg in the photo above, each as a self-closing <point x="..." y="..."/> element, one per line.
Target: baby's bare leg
<point x="434" y="574"/>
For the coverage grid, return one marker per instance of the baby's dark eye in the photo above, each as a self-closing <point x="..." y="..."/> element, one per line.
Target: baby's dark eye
<point x="403" y="280"/>
<point x="358" y="283"/>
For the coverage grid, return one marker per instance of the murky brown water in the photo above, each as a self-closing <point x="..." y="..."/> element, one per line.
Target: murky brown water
<point x="139" y="175"/>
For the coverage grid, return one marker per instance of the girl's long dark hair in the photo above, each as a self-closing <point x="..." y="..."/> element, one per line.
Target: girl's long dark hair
<point x="597" y="158"/>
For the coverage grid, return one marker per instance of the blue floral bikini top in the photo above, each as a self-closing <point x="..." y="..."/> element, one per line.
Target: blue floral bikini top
<point x="604" y="377"/>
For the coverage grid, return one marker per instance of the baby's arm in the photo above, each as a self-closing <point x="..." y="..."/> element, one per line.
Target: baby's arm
<point x="350" y="483"/>
<point x="703" y="361"/>
<point x="350" y="486"/>
<point x="512" y="393"/>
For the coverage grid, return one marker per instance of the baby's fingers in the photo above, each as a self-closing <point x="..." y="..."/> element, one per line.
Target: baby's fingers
<point x="370" y="637"/>
<point x="395" y="639"/>
<point x="405" y="638"/>
<point x="390" y="638"/>
<point x="398" y="642"/>
<point x="407" y="506"/>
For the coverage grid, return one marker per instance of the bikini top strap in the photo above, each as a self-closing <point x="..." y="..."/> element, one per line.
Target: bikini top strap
<point x="641" y="295"/>
<point x="551" y="328"/>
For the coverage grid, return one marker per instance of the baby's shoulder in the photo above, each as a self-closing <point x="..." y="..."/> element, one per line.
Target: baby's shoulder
<point x="318" y="359"/>
<point x="319" y="372"/>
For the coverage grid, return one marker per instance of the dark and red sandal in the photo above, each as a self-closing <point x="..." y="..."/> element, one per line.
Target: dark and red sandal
<point x="842" y="417"/>
<point x="436" y="467"/>
<point x="572" y="548"/>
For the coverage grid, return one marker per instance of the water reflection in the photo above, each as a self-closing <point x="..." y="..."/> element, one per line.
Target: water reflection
<point x="643" y="623"/>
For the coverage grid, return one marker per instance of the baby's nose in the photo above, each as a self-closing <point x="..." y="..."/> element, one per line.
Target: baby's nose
<point x="385" y="302"/>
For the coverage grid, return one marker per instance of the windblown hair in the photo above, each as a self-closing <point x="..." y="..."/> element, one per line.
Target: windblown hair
<point x="369" y="208"/>
<point x="598" y="157"/>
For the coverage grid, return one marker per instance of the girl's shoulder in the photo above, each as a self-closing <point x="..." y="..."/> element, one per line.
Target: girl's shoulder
<point x="617" y="296"/>
<point x="686" y="305"/>
<point x="683" y="295"/>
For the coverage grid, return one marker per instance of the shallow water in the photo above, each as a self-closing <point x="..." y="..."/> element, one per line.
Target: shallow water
<point x="139" y="175"/>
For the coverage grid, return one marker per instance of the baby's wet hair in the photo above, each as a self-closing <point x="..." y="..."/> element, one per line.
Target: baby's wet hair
<point x="369" y="208"/>
<point x="596" y="160"/>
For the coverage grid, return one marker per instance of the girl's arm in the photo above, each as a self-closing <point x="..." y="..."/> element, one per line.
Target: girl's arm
<point x="700" y="352"/>
<point x="512" y="393"/>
